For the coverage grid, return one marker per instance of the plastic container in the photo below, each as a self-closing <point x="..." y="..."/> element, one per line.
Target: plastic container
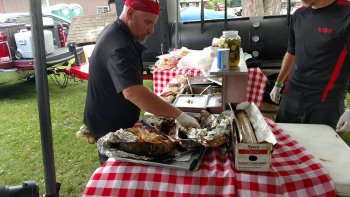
<point x="24" y="43"/>
<point x="232" y="41"/>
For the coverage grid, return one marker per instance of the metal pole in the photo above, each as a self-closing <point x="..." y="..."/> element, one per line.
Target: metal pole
<point x="119" y="6"/>
<point x="43" y="98"/>
<point x="288" y="13"/>
<point x="202" y="16"/>
<point x="177" y="25"/>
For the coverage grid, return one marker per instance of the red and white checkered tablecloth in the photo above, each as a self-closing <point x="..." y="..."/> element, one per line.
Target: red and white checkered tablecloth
<point x="256" y="86"/>
<point x="162" y="77"/>
<point x="255" y="90"/>
<point x="294" y="172"/>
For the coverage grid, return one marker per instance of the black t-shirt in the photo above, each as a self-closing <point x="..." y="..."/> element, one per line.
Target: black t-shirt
<point x="320" y="41"/>
<point x="115" y="64"/>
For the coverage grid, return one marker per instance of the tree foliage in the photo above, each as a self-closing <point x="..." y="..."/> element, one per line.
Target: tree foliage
<point x="253" y="7"/>
<point x="212" y="3"/>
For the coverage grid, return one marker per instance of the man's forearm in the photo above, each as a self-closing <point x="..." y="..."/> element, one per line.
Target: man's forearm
<point x="150" y="102"/>
<point x="287" y="63"/>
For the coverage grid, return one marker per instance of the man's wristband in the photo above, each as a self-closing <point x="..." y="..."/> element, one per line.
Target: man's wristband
<point x="278" y="84"/>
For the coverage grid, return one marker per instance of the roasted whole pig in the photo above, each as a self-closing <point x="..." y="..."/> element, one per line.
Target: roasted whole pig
<point x="138" y="141"/>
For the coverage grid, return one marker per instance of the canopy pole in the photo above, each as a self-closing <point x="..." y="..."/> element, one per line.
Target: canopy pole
<point x="52" y="188"/>
<point x="177" y="25"/>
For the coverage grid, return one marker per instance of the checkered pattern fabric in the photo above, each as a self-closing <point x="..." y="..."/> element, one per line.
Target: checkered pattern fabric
<point x="294" y="172"/>
<point x="256" y="86"/>
<point x="162" y="77"/>
<point x="255" y="90"/>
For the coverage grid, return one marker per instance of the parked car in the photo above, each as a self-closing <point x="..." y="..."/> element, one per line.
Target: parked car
<point x="57" y="25"/>
<point x="24" y="17"/>
<point x="219" y="7"/>
<point x="193" y="14"/>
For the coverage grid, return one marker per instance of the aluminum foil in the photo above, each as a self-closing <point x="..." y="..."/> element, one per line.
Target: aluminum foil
<point x="214" y="131"/>
<point x="121" y="135"/>
<point x="262" y="130"/>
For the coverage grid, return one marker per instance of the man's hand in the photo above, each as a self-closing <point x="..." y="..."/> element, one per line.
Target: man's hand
<point x="344" y="122"/>
<point x="275" y="94"/>
<point x="186" y="121"/>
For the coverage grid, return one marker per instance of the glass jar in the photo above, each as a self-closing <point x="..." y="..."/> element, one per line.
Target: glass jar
<point x="232" y="41"/>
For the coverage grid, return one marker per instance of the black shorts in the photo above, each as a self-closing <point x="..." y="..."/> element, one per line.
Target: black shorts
<point x="306" y="112"/>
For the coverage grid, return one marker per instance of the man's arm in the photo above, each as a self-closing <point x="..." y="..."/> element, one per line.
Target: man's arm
<point x="148" y="101"/>
<point x="287" y="63"/>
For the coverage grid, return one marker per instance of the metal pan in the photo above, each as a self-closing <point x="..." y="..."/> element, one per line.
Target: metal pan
<point x="191" y="102"/>
<point x="192" y="164"/>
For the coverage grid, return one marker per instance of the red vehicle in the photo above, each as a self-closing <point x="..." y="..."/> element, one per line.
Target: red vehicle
<point x="13" y="68"/>
<point x="219" y="7"/>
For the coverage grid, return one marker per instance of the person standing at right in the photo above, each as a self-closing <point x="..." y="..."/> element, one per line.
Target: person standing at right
<point x="319" y="64"/>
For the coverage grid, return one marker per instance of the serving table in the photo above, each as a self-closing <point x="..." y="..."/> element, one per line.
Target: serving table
<point x="326" y="145"/>
<point x="294" y="172"/>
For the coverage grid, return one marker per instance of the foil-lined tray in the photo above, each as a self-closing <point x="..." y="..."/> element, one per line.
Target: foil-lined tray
<point x="183" y="158"/>
<point x="193" y="163"/>
<point x="214" y="132"/>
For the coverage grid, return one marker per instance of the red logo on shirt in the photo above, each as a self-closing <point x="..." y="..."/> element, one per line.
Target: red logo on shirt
<point x="325" y="30"/>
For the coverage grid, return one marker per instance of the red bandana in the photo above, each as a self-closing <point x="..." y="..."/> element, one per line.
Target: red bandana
<point x="150" y="6"/>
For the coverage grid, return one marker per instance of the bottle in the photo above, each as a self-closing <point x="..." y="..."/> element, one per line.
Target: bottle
<point x="232" y="41"/>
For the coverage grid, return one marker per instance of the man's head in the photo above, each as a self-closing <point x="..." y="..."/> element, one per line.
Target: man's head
<point x="140" y="16"/>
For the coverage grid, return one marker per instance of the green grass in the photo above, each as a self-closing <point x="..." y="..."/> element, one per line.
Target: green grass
<point x="21" y="154"/>
<point x="20" y="144"/>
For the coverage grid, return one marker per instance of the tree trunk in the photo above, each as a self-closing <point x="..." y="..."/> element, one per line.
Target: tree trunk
<point x="272" y="7"/>
<point x="252" y="8"/>
<point x="261" y="7"/>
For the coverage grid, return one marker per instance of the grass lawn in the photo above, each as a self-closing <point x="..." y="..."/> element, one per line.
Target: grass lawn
<point x="21" y="155"/>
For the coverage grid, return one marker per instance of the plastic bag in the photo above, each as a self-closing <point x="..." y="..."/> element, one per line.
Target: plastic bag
<point x="166" y="61"/>
<point x="201" y="60"/>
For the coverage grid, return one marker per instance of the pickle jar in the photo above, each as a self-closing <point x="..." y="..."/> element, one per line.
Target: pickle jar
<point x="232" y="41"/>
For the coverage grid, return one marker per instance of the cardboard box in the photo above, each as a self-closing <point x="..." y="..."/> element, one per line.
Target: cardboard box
<point x="253" y="157"/>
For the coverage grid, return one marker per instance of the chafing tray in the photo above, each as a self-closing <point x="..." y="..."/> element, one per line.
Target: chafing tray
<point x="200" y="80"/>
<point x="210" y="99"/>
<point x="214" y="103"/>
<point x="192" y="164"/>
<point x="197" y="89"/>
<point x="191" y="102"/>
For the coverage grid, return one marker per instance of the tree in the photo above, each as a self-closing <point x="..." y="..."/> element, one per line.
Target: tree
<point x="212" y="3"/>
<point x="261" y="7"/>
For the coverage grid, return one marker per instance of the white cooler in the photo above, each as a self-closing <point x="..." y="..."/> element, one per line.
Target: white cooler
<point x="24" y="43"/>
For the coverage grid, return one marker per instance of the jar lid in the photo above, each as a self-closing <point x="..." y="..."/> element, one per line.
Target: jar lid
<point x="230" y="33"/>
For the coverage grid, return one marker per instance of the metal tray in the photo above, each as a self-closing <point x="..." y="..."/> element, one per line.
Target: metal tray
<point x="214" y="104"/>
<point x="204" y="89"/>
<point x="192" y="164"/>
<point x="200" y="80"/>
<point x="191" y="102"/>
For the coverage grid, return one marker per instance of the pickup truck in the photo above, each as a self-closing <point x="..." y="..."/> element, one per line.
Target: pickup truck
<point x="13" y="65"/>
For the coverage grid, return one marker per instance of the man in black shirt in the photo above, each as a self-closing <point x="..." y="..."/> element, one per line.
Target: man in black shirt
<point x="115" y="92"/>
<point x="319" y="61"/>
